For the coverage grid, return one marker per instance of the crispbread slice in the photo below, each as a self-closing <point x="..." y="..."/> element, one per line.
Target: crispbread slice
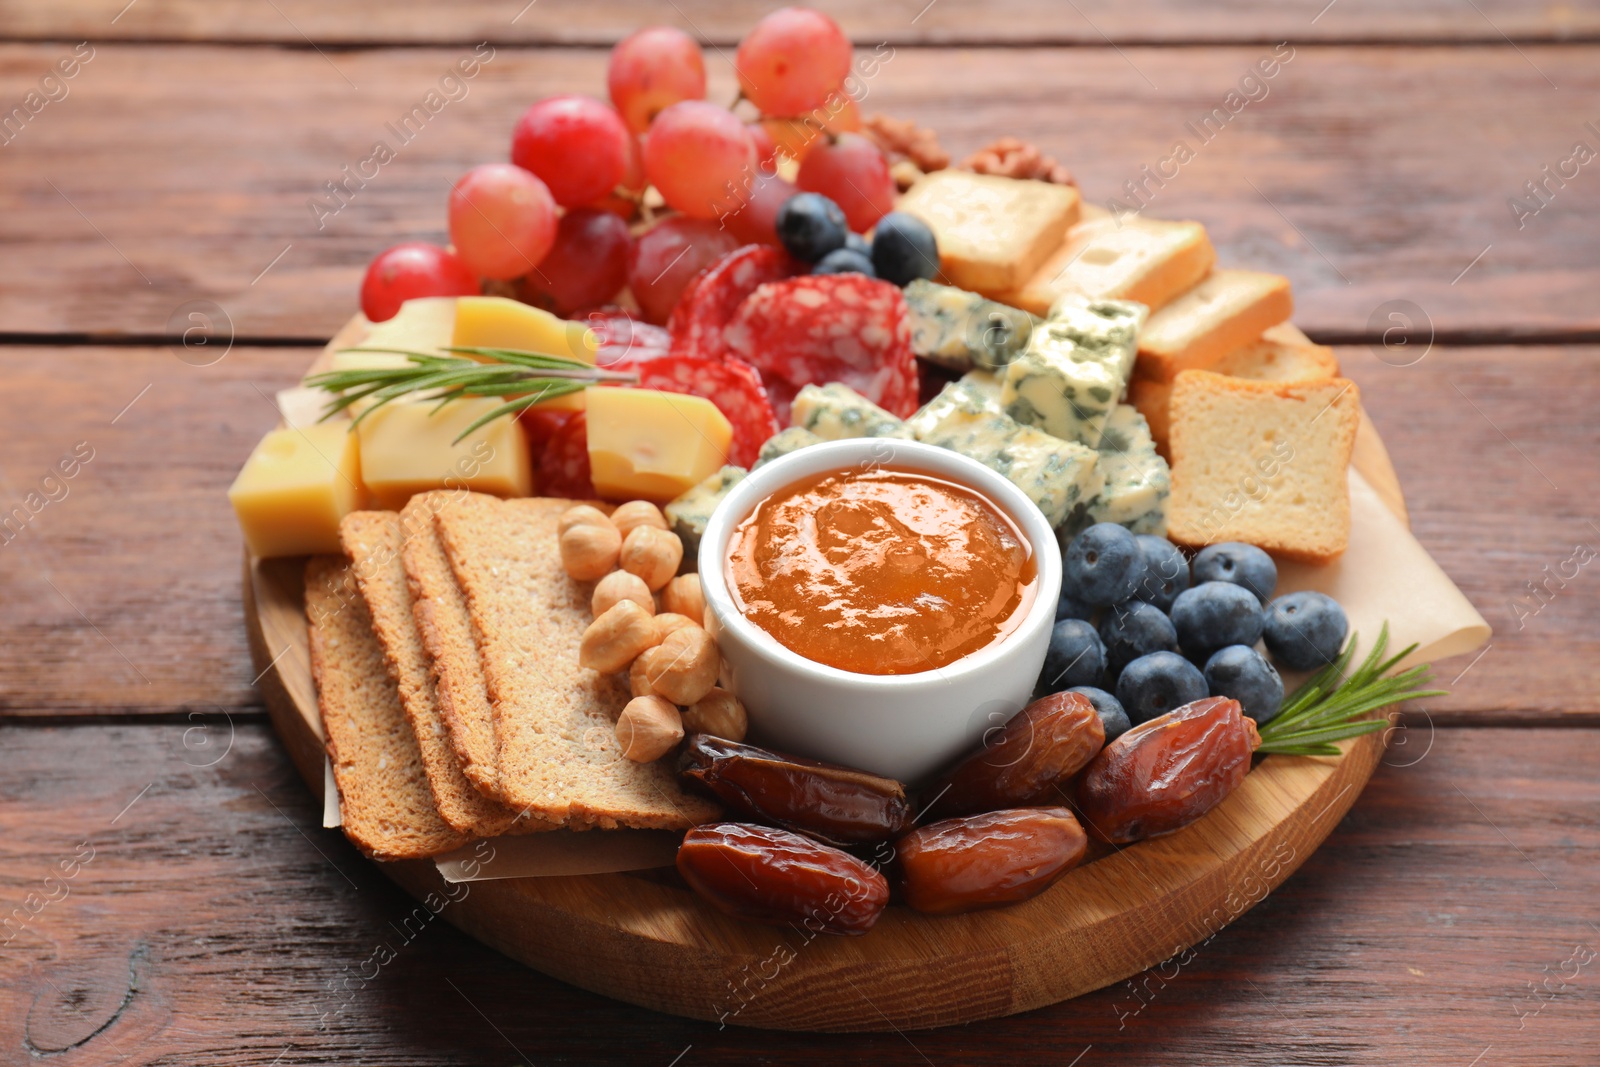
<point x="1263" y="462"/>
<point x="1228" y="309"/>
<point x="374" y="540"/>
<point x="387" y="809"/>
<point x="1148" y="260"/>
<point x="993" y="232"/>
<point x="558" y="753"/>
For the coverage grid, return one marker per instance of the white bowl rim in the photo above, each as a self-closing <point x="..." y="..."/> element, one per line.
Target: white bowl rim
<point x="909" y="455"/>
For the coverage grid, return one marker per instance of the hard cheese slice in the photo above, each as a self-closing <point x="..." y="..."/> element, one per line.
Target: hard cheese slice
<point x="652" y="445"/>
<point x="498" y="322"/>
<point x="410" y="448"/>
<point x="294" y="489"/>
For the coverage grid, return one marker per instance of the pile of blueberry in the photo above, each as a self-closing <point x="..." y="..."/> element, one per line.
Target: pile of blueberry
<point x="1169" y="633"/>
<point x="813" y="230"/>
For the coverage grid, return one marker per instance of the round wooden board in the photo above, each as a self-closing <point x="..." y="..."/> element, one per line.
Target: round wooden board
<point x="649" y="942"/>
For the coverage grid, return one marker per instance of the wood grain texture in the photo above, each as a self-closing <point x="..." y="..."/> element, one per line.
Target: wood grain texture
<point x="949" y="22"/>
<point x="1410" y="936"/>
<point x="1368" y="175"/>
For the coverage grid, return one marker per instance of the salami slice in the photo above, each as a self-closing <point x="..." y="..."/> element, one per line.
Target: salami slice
<point x="623" y="337"/>
<point x="709" y="303"/>
<point x="731" y="384"/>
<point x="823" y="328"/>
<point x="564" y="461"/>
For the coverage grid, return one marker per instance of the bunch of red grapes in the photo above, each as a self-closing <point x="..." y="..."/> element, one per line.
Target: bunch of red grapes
<point x="557" y="222"/>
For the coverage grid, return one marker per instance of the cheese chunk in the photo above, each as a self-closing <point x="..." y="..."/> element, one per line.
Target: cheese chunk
<point x="411" y="448"/>
<point x="421" y="325"/>
<point x="499" y="322"/>
<point x="960" y="330"/>
<point x="1229" y="309"/>
<point x="1063" y="389"/>
<point x="785" y="441"/>
<point x="688" y="515"/>
<point x="652" y="445"/>
<point x="1056" y="475"/>
<point x="984" y="387"/>
<point x="835" y="412"/>
<point x="300" y="407"/>
<point x="1131" y="258"/>
<point x="1137" y="480"/>
<point x="1109" y="327"/>
<point x="294" y="489"/>
<point x="993" y="232"/>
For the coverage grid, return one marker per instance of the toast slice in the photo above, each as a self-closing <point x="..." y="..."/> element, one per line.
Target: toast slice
<point x="1141" y="259"/>
<point x="388" y="811"/>
<point x="374" y="540"/>
<point x="1227" y="310"/>
<point x="1263" y="462"/>
<point x="559" y="757"/>
<point x="1266" y="359"/>
<point x="993" y="232"/>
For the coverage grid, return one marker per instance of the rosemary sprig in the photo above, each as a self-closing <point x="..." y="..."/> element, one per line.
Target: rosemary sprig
<point x="527" y="377"/>
<point x="1325" y="709"/>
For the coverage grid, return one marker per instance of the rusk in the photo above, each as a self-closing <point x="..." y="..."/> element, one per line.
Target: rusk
<point x="993" y="232"/>
<point x="1227" y="310"/>
<point x="1135" y="258"/>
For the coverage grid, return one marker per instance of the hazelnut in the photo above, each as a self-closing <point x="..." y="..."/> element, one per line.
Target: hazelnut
<point x="637" y="513"/>
<point x="582" y="515"/>
<point x="668" y="621"/>
<point x="620" y="585"/>
<point x="719" y="714"/>
<point x="590" y="552"/>
<point x="617" y="637"/>
<point x="684" y="667"/>
<point x="684" y="596"/>
<point x="651" y="553"/>
<point x="648" y="728"/>
<point x="638" y="684"/>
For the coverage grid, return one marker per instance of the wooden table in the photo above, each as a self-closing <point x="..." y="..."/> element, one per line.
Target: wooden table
<point x="166" y="891"/>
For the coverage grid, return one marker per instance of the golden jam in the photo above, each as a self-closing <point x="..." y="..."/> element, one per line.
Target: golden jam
<point x="881" y="572"/>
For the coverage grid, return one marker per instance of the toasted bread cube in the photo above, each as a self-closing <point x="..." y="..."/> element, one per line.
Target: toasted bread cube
<point x="1262" y="462"/>
<point x="1228" y="309"/>
<point x="1147" y="260"/>
<point x="993" y="232"/>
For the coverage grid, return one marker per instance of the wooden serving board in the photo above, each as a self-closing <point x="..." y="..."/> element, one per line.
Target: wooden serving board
<point x="645" y="939"/>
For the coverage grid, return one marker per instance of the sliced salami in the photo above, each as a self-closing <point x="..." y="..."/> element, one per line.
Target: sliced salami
<point x="623" y="337"/>
<point x="731" y="384"/>
<point x="564" y="461"/>
<point x="709" y="303"/>
<point x="823" y="328"/>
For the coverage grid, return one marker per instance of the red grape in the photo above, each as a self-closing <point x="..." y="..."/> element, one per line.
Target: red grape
<point x="632" y="181"/>
<point x="587" y="265"/>
<point x="411" y="270"/>
<point x="792" y="60"/>
<point x="853" y="173"/>
<point x="576" y="144"/>
<point x="766" y="146"/>
<point x="757" y="221"/>
<point x="652" y="69"/>
<point x="700" y="157"/>
<point x="502" y="220"/>
<point x="667" y="257"/>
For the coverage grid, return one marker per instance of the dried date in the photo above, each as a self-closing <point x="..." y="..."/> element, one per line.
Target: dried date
<point x="834" y="804"/>
<point x="1166" y="773"/>
<point x="1021" y="763"/>
<point x="782" y="878"/>
<point x="984" y="861"/>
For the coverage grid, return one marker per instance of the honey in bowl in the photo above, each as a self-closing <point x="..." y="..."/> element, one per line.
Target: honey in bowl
<point x="881" y="571"/>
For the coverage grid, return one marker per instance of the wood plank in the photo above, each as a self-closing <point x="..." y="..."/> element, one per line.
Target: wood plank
<point x="216" y="923"/>
<point x="116" y="221"/>
<point x="951" y="22"/>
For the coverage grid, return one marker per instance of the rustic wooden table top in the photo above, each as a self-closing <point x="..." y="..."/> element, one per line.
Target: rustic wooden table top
<point x="166" y="891"/>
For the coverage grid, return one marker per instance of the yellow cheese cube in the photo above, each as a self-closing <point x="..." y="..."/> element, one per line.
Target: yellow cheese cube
<point x="294" y="489"/>
<point x="653" y="445"/>
<point x="407" y="449"/>
<point x="421" y="325"/>
<point x="498" y="322"/>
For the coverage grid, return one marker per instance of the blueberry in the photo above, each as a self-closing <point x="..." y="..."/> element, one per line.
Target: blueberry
<point x="844" y="261"/>
<point x="1166" y="572"/>
<point x="1070" y="607"/>
<point x="904" y="248"/>
<point x="857" y="243"/>
<point x="1305" y="631"/>
<point x="1240" y="672"/>
<point x="810" y="226"/>
<point x="1214" y="615"/>
<point x="1155" y="684"/>
<point x="1239" y="563"/>
<point x="1076" y="657"/>
<point x="1112" y="717"/>
<point x="1132" y="629"/>
<point x="1102" y="565"/>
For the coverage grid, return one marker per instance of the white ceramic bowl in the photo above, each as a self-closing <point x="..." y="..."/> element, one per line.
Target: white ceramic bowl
<point x="903" y="726"/>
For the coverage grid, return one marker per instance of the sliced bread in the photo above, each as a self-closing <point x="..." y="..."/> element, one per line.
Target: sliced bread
<point x="1227" y="310"/>
<point x="374" y="541"/>
<point x="1141" y="259"/>
<point x="387" y="808"/>
<point x="993" y="232"/>
<point x="556" y="721"/>
<point x="1263" y="462"/>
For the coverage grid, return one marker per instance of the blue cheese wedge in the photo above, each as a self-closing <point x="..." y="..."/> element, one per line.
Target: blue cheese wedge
<point x="688" y="514"/>
<point x="1056" y="475"/>
<point x="960" y="330"/>
<point x="1108" y="327"/>
<point x="835" y="412"/>
<point x="1137" y="480"/>
<point x="783" y="442"/>
<point x="1062" y="389"/>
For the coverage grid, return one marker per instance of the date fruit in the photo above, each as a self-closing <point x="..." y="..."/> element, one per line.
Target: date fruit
<point x="1021" y="762"/>
<point x="834" y="804"/>
<point x="984" y="861"/>
<point x="775" y="876"/>
<point x="1164" y="774"/>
